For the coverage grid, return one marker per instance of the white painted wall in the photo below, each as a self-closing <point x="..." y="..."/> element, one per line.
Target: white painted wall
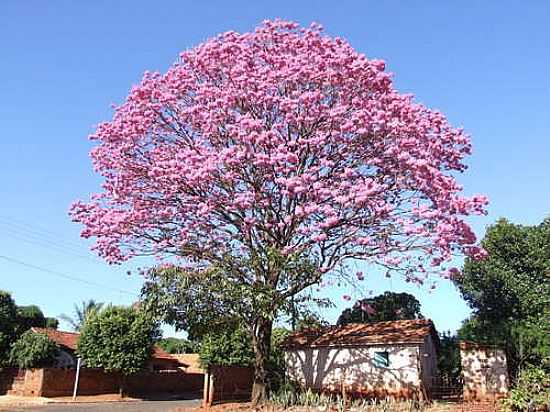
<point x="485" y="373"/>
<point x="331" y="368"/>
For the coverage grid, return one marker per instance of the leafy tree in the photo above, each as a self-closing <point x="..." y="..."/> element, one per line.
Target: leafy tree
<point x="386" y="307"/>
<point x="509" y="292"/>
<point x="531" y="393"/>
<point x="8" y="324"/>
<point x="52" y="323"/>
<point x="33" y="350"/>
<point x="233" y="347"/>
<point x="227" y="348"/>
<point x="277" y="365"/>
<point x="309" y="320"/>
<point x="448" y="356"/>
<point x="32" y="316"/>
<point x="118" y="339"/>
<point x="513" y="283"/>
<point x="176" y="345"/>
<point x="81" y="313"/>
<point x="268" y="160"/>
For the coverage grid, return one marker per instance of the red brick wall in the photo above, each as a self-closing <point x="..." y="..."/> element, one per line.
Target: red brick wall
<point x="7" y="376"/>
<point x="60" y="382"/>
<point x="164" y="382"/>
<point x="52" y="382"/>
<point x="229" y="382"/>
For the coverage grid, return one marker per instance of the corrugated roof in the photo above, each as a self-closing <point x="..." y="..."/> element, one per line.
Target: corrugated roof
<point x="69" y="340"/>
<point x="364" y="334"/>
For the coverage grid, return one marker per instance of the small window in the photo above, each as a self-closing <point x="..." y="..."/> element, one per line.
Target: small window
<point x="382" y="359"/>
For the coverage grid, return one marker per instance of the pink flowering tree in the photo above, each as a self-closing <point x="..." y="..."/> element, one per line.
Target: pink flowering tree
<point x="275" y="146"/>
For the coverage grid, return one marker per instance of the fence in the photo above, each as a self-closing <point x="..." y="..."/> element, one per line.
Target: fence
<point x="223" y="383"/>
<point x="52" y="382"/>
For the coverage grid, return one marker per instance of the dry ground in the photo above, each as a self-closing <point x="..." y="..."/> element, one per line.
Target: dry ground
<point x="246" y="407"/>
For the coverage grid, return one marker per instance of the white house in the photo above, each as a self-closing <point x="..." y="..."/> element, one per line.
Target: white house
<point x="384" y="359"/>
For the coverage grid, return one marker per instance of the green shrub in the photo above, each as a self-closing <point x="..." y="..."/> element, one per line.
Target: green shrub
<point x="8" y="325"/>
<point x="227" y="348"/>
<point x="118" y="339"/>
<point x="532" y="391"/>
<point x="290" y="395"/>
<point x="33" y="350"/>
<point x="176" y="345"/>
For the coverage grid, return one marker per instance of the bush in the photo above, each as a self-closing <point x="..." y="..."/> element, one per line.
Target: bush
<point x="532" y="391"/>
<point x="33" y="350"/>
<point x="176" y="345"/>
<point x="8" y="325"/>
<point x="118" y="339"/>
<point x="228" y="348"/>
<point x="291" y="396"/>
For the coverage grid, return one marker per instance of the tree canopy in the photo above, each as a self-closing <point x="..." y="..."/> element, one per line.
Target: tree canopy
<point x="81" y="313"/>
<point x="33" y="350"/>
<point x="267" y="160"/>
<point x="513" y="283"/>
<point x="386" y="307"/>
<point x="16" y="320"/>
<point x="177" y="345"/>
<point x="509" y="292"/>
<point x="8" y="325"/>
<point x="118" y="339"/>
<point x="32" y="316"/>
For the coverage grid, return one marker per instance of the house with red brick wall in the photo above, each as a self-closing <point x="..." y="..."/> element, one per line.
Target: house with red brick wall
<point x="68" y="341"/>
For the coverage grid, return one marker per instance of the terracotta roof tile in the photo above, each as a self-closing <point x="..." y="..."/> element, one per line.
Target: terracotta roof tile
<point x="69" y="340"/>
<point x="364" y="334"/>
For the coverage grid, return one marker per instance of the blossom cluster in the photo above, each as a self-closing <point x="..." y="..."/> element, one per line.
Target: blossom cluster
<point x="279" y="138"/>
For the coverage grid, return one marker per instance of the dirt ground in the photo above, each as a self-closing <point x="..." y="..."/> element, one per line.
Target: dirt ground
<point x="246" y="407"/>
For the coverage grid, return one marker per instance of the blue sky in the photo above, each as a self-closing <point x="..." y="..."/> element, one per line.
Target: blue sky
<point x="485" y="64"/>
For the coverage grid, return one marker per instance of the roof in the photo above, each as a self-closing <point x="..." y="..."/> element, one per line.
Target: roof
<point x="69" y="340"/>
<point x="364" y="334"/>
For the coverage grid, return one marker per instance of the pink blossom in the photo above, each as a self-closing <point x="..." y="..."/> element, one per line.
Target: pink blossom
<point x="281" y="138"/>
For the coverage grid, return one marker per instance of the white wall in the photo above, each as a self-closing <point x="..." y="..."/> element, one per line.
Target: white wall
<point x="485" y="373"/>
<point x="353" y="367"/>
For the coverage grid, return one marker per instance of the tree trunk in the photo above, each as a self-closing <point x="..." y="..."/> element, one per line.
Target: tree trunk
<point x="261" y="341"/>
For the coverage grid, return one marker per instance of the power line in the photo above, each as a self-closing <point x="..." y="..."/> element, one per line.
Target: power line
<point x="37" y="231"/>
<point x="49" y="245"/>
<point x="51" y="240"/>
<point x="64" y="275"/>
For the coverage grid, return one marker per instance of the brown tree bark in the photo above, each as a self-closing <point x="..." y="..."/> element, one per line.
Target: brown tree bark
<point x="261" y="341"/>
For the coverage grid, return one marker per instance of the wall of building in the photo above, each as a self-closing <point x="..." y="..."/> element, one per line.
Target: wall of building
<point x="484" y="372"/>
<point x="27" y="383"/>
<point x="353" y="369"/>
<point x="428" y="358"/>
<point x="8" y="377"/>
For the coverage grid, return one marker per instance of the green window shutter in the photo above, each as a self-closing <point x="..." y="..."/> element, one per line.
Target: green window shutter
<point x="381" y="359"/>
